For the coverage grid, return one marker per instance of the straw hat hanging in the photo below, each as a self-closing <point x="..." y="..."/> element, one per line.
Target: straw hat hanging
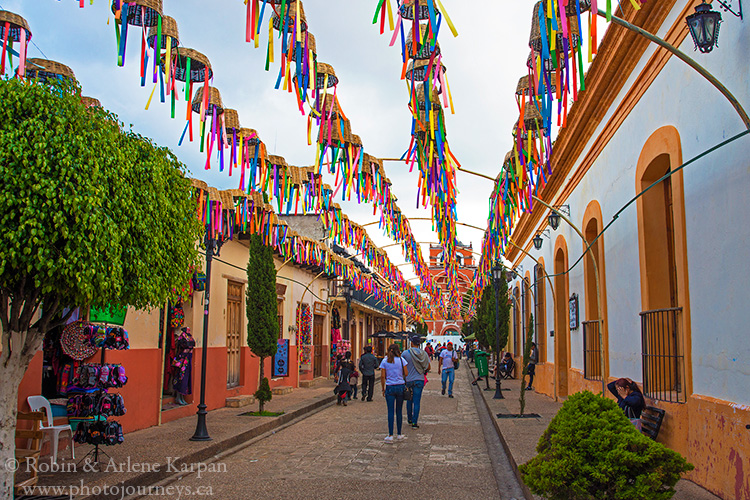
<point x="323" y="71"/>
<point x="169" y="33"/>
<point x="141" y="12"/>
<point x="18" y="31"/>
<point x="45" y="70"/>
<point x="199" y="64"/>
<point x="356" y="140"/>
<point x="424" y="51"/>
<point x="407" y="9"/>
<point x="214" y="101"/>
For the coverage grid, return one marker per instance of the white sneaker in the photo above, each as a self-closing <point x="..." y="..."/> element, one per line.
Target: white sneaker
<point x="389" y="440"/>
<point x="400" y="437"/>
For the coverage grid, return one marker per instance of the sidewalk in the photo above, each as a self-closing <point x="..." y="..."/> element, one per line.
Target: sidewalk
<point x="520" y="436"/>
<point x="150" y="455"/>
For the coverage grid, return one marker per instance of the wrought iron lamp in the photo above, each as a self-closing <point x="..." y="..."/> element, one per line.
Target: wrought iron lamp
<point x="554" y="215"/>
<point x="704" y="27"/>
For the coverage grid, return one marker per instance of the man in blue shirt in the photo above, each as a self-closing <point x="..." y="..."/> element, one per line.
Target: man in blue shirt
<point x="418" y="364"/>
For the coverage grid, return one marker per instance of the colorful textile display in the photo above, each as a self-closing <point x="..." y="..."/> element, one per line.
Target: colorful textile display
<point x="304" y="336"/>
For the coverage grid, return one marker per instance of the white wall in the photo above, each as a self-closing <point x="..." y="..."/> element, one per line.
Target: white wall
<point x="717" y="197"/>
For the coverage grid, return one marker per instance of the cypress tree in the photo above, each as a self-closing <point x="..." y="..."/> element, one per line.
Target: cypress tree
<point x="262" y="321"/>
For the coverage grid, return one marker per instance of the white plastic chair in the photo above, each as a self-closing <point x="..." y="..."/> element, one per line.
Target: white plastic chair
<point x="37" y="403"/>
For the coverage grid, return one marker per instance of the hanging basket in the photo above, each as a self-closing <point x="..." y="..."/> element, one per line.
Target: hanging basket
<point x="290" y="15"/>
<point x="45" y="70"/>
<point x="407" y="9"/>
<point x="522" y="89"/>
<point x="535" y="37"/>
<point x="199" y="64"/>
<point x="278" y="161"/>
<point x="421" y="101"/>
<point x="341" y="132"/>
<point x="231" y="121"/>
<point x="300" y="57"/>
<point x="169" y="31"/>
<point x="141" y="12"/>
<point x="423" y="52"/>
<point x="570" y="10"/>
<point x="15" y="24"/>
<point x="254" y="138"/>
<point x="214" y="101"/>
<point x="548" y="66"/>
<point x="416" y="70"/>
<point x="532" y="118"/>
<point x="328" y="102"/>
<point x="90" y="102"/>
<point x="323" y="70"/>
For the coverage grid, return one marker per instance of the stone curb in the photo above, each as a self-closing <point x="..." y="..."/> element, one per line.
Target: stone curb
<point x="214" y="449"/>
<point x="511" y="459"/>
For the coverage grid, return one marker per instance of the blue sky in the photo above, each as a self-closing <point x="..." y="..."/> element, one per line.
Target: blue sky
<point x="484" y="63"/>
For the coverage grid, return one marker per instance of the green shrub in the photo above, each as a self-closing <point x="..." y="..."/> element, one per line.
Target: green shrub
<point x="592" y="451"/>
<point x="263" y="394"/>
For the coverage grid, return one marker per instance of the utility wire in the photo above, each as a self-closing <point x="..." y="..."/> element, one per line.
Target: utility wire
<point x="655" y="183"/>
<point x="32" y="41"/>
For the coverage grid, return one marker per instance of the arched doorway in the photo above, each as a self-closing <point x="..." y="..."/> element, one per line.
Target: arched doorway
<point x="665" y="315"/>
<point x="562" y="325"/>
<point x="593" y="368"/>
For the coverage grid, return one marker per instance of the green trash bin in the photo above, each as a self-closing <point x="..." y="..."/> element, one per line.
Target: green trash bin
<point x="480" y="361"/>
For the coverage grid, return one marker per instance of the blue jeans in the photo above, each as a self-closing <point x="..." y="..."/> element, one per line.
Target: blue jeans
<point x="448" y="374"/>
<point x="394" y="398"/>
<point x="412" y="407"/>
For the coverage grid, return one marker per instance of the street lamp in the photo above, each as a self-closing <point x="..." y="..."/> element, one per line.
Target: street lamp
<point x="704" y="27"/>
<point x="497" y="279"/>
<point x="538" y="240"/>
<point x="213" y="246"/>
<point x="346" y="291"/>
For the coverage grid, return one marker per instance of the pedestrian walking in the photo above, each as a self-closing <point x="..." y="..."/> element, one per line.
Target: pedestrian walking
<point x="367" y="365"/>
<point x="393" y="381"/>
<point x="446" y="366"/>
<point x="418" y="364"/>
<point x="343" y="389"/>
<point x="430" y="351"/>
<point x="531" y="367"/>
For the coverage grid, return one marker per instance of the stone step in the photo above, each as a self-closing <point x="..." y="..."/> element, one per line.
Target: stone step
<point x="240" y="401"/>
<point x="311" y="383"/>
<point x="281" y="390"/>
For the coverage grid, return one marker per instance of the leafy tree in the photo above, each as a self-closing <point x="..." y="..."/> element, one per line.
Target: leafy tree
<point x="91" y="215"/>
<point x="591" y="451"/>
<point x="485" y="328"/>
<point x="421" y="329"/>
<point x="526" y="359"/>
<point x="262" y="321"/>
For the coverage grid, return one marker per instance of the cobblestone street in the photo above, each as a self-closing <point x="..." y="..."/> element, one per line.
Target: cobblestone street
<point x="339" y="453"/>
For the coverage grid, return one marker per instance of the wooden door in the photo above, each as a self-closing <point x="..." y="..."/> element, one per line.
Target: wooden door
<point x="318" y="346"/>
<point x="234" y="329"/>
